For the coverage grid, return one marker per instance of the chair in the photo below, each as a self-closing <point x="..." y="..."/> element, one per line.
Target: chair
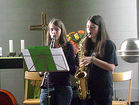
<point x="32" y="76"/>
<point x="7" y="98"/>
<point x="121" y="77"/>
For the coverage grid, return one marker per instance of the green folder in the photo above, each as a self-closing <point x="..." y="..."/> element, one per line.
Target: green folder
<point x="42" y="58"/>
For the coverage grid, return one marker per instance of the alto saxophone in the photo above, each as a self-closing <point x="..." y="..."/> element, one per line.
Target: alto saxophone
<point x="81" y="74"/>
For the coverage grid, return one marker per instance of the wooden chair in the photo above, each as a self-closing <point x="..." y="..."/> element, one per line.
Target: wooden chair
<point x="121" y="77"/>
<point x="33" y="76"/>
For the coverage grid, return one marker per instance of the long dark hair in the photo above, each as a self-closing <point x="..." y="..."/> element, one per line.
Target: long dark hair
<point x="60" y="24"/>
<point x="102" y="36"/>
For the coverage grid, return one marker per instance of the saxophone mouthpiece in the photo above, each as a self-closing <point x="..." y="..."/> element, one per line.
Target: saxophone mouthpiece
<point x="88" y="35"/>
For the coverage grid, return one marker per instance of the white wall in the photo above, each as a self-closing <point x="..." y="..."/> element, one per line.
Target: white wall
<point x="17" y="16"/>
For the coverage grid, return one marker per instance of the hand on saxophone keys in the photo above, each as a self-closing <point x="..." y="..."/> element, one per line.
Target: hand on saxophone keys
<point x="87" y="60"/>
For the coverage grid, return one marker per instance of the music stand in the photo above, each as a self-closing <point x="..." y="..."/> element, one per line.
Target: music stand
<point x="44" y="59"/>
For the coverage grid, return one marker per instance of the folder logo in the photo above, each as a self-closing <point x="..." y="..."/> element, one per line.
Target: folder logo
<point x="39" y="58"/>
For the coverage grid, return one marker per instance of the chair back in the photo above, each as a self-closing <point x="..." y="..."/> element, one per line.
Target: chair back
<point x="33" y="76"/>
<point x="124" y="76"/>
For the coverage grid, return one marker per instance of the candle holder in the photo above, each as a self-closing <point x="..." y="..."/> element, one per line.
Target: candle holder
<point x="11" y="54"/>
<point x="20" y="55"/>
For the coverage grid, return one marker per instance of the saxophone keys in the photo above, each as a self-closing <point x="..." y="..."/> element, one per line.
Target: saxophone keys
<point x="78" y="82"/>
<point x="79" y="89"/>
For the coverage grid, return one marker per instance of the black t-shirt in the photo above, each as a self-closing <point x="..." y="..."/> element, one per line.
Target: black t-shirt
<point x="100" y="80"/>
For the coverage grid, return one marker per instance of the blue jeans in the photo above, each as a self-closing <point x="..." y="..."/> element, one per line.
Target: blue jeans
<point x="59" y="96"/>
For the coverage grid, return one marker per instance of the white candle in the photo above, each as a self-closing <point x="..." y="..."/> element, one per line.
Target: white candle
<point x="22" y="44"/>
<point x="0" y="51"/>
<point x="10" y="46"/>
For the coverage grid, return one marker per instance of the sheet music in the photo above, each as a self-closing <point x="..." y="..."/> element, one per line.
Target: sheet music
<point x="59" y="59"/>
<point x="28" y="60"/>
<point x="58" y="56"/>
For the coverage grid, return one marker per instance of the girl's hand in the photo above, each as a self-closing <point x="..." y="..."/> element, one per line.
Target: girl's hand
<point x="86" y="61"/>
